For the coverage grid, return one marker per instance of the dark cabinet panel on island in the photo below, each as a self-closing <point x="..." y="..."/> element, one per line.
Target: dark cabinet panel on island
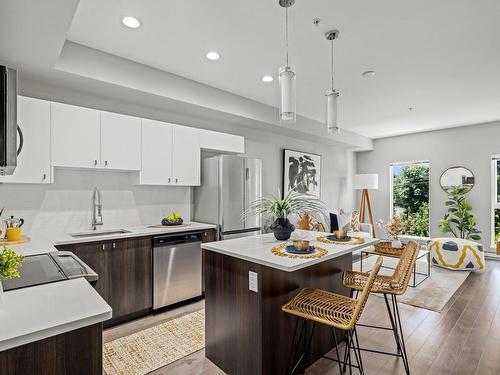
<point x="124" y="267"/>
<point x="208" y="235"/>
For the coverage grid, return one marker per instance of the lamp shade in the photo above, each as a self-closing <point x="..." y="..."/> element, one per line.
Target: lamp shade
<point x="365" y="181"/>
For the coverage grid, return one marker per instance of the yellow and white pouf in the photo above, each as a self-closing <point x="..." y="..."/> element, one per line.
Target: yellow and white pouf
<point x="456" y="254"/>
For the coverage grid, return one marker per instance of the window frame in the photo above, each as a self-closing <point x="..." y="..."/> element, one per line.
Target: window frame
<point x="391" y="191"/>
<point x="495" y="203"/>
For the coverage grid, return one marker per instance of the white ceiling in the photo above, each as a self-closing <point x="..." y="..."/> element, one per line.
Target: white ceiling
<point x="439" y="57"/>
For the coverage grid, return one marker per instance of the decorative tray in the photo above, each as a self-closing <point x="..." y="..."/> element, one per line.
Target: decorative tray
<point x="350" y="241"/>
<point x="281" y="251"/>
<point x="168" y="226"/>
<point x="385" y="247"/>
<point x="293" y="250"/>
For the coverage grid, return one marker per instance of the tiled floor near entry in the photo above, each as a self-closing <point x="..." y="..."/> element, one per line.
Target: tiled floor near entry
<point x="463" y="339"/>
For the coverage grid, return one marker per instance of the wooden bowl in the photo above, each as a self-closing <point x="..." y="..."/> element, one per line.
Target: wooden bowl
<point x="301" y="245"/>
<point x="340" y="234"/>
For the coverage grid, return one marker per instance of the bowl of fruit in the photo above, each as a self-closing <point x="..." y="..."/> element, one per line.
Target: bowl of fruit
<point x="173" y="219"/>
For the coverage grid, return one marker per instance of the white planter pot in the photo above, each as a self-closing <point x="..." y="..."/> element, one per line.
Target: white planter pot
<point x="396" y="244"/>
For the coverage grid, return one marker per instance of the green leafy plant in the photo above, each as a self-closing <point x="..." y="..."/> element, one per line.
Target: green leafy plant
<point x="411" y="198"/>
<point x="459" y="220"/>
<point x="9" y="263"/>
<point x="281" y="208"/>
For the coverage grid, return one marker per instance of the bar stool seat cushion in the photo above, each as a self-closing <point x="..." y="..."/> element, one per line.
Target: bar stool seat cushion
<point x="456" y="254"/>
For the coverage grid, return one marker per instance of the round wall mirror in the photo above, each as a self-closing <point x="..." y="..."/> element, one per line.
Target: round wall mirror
<point x="457" y="176"/>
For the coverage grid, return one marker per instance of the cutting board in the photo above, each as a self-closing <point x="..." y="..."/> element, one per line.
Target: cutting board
<point x="24" y="239"/>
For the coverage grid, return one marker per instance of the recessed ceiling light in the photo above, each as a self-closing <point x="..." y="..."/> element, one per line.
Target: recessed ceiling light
<point x="368" y="73"/>
<point x="131" y="22"/>
<point x="267" y="78"/>
<point x="213" y="56"/>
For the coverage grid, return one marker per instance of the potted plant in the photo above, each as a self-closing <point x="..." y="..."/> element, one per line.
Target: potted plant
<point x="394" y="228"/>
<point x="459" y="220"/>
<point x="9" y="266"/>
<point x="281" y="208"/>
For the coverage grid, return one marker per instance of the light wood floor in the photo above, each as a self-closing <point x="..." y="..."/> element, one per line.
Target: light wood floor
<point x="463" y="339"/>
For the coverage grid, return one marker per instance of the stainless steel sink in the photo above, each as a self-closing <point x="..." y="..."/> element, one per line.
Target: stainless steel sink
<point x="97" y="233"/>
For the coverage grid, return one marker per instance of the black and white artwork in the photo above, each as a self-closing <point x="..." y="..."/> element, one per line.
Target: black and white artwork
<point x="301" y="172"/>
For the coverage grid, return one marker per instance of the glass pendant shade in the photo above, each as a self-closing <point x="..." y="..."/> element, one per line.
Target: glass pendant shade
<point x="331" y="111"/>
<point x="287" y="88"/>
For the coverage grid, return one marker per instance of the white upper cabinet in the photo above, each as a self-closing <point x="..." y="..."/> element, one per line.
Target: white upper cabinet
<point x="221" y="141"/>
<point x="75" y="136"/>
<point x="186" y="158"/>
<point x="156" y="153"/>
<point x="120" y="142"/>
<point x="33" y="163"/>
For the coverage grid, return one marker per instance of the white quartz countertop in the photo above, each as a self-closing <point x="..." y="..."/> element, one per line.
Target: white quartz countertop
<point x="34" y="313"/>
<point x="46" y="242"/>
<point x="258" y="249"/>
<point x="42" y="311"/>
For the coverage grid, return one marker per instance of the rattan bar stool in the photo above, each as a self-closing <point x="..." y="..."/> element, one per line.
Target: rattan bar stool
<point x="334" y="310"/>
<point x="392" y="286"/>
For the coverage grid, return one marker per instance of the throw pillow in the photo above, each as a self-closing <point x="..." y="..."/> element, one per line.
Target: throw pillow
<point x="344" y="220"/>
<point x="355" y="224"/>
<point x="334" y="223"/>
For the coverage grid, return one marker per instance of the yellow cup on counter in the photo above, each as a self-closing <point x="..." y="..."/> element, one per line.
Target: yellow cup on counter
<point x="13" y="234"/>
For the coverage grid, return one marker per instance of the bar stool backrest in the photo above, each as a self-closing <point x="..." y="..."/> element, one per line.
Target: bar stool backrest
<point x="402" y="273"/>
<point x="363" y="296"/>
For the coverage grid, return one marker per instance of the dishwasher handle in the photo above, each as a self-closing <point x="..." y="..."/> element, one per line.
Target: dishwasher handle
<point x="177" y="239"/>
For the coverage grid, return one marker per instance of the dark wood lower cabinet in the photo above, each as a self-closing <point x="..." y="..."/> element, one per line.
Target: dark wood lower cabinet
<point x="77" y="352"/>
<point x="125" y="274"/>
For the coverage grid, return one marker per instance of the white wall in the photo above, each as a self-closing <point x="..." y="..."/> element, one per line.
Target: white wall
<point x="65" y="206"/>
<point x="470" y="146"/>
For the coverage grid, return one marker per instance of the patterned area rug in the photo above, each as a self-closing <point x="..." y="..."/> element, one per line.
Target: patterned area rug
<point x="433" y="293"/>
<point x="155" y="347"/>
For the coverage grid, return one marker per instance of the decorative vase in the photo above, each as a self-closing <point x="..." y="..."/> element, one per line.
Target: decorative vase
<point x="282" y="229"/>
<point x="396" y="244"/>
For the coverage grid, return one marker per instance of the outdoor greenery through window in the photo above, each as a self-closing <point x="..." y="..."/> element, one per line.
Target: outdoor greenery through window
<point x="410" y="196"/>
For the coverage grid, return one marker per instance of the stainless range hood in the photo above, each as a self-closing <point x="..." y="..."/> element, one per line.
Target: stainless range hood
<point x="9" y="148"/>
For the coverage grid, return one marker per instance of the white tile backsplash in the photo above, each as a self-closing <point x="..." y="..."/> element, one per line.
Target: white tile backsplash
<point x="65" y="206"/>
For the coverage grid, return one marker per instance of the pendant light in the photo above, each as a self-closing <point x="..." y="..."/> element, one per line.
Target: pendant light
<point x="332" y="95"/>
<point x="287" y="112"/>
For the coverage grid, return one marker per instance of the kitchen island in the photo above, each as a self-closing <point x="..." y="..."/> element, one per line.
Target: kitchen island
<point x="245" y="287"/>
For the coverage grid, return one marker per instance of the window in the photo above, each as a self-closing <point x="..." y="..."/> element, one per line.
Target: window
<point x="495" y="199"/>
<point x="410" y="196"/>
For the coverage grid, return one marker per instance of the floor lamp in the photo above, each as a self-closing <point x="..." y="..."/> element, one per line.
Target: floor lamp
<point x="366" y="182"/>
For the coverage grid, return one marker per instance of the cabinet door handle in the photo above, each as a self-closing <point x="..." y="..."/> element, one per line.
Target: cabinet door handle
<point x="95" y="163"/>
<point x="169" y="179"/>
<point x="176" y="180"/>
<point x="114" y="245"/>
<point x="104" y="246"/>
<point x="44" y="176"/>
<point x="105" y="163"/>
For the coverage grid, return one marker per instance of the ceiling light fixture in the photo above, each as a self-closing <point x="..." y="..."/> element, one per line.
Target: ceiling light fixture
<point x="131" y="22"/>
<point x="287" y="111"/>
<point x="368" y="73"/>
<point x="213" y="56"/>
<point x="267" y="78"/>
<point x="332" y="95"/>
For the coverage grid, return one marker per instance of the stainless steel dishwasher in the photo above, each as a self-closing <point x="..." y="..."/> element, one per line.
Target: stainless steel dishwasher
<point x="176" y="268"/>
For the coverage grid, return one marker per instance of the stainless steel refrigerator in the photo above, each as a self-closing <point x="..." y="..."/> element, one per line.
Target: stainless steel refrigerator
<point x="228" y="185"/>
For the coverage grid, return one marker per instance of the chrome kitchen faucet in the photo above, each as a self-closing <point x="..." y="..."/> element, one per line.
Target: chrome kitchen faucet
<point x="97" y="208"/>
